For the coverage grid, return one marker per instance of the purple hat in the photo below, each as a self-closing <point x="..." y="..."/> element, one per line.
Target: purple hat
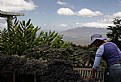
<point x="95" y="37"/>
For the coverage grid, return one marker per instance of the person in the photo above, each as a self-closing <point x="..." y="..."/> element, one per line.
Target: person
<point x="110" y="53"/>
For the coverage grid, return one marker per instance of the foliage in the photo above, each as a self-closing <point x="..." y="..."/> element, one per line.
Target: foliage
<point x="48" y="54"/>
<point x="89" y="56"/>
<point x="18" y="38"/>
<point x="53" y="39"/>
<point x="115" y="32"/>
<point x="54" y="71"/>
<point x="23" y="35"/>
<point x="20" y="65"/>
<point x="61" y="71"/>
<point x="78" y="55"/>
<point x="22" y="39"/>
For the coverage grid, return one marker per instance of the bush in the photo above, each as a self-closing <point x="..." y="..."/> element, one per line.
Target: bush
<point x="61" y="71"/>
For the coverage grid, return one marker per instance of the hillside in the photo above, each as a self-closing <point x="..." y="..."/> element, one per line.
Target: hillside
<point x="81" y="35"/>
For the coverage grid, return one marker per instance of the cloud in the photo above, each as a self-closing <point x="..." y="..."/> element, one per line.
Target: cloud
<point x="3" y="23"/>
<point x="16" y="5"/>
<point x="110" y="18"/>
<point x="65" y="11"/>
<point x="88" y="13"/>
<point x="65" y="4"/>
<point x="61" y="2"/>
<point x="63" y="25"/>
<point x="95" y="24"/>
<point x="83" y="12"/>
<point x="118" y="14"/>
<point x="106" y="19"/>
<point x="103" y="22"/>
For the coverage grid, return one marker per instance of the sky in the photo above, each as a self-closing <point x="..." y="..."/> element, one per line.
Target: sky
<point x="60" y="15"/>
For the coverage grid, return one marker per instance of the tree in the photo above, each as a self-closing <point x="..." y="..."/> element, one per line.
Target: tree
<point x="19" y="37"/>
<point x="115" y="32"/>
<point x="23" y="35"/>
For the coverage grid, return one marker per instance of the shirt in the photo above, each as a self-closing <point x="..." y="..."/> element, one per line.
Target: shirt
<point x="109" y="52"/>
<point x="98" y="56"/>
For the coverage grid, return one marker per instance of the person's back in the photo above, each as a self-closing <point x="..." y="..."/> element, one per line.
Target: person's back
<point x="111" y="54"/>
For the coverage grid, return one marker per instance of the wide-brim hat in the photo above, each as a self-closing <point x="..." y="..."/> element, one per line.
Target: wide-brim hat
<point x="95" y="37"/>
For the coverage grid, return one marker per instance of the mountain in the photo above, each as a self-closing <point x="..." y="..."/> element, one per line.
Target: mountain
<point x="81" y="35"/>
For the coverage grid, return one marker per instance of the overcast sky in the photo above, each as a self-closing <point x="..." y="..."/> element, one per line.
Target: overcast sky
<point x="61" y="15"/>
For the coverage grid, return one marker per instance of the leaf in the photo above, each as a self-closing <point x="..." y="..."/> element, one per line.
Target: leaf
<point x="28" y="23"/>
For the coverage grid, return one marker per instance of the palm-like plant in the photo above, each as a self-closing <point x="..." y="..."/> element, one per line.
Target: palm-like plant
<point x="53" y="39"/>
<point x="23" y="35"/>
<point x="18" y="38"/>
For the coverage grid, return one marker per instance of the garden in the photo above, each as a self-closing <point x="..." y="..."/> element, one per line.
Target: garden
<point x="28" y="54"/>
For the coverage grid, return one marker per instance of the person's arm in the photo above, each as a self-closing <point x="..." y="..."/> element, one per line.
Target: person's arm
<point x="96" y="63"/>
<point x="98" y="57"/>
<point x="119" y="50"/>
<point x="95" y="66"/>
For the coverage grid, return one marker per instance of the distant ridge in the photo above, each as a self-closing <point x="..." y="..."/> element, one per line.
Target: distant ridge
<point x="81" y="35"/>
